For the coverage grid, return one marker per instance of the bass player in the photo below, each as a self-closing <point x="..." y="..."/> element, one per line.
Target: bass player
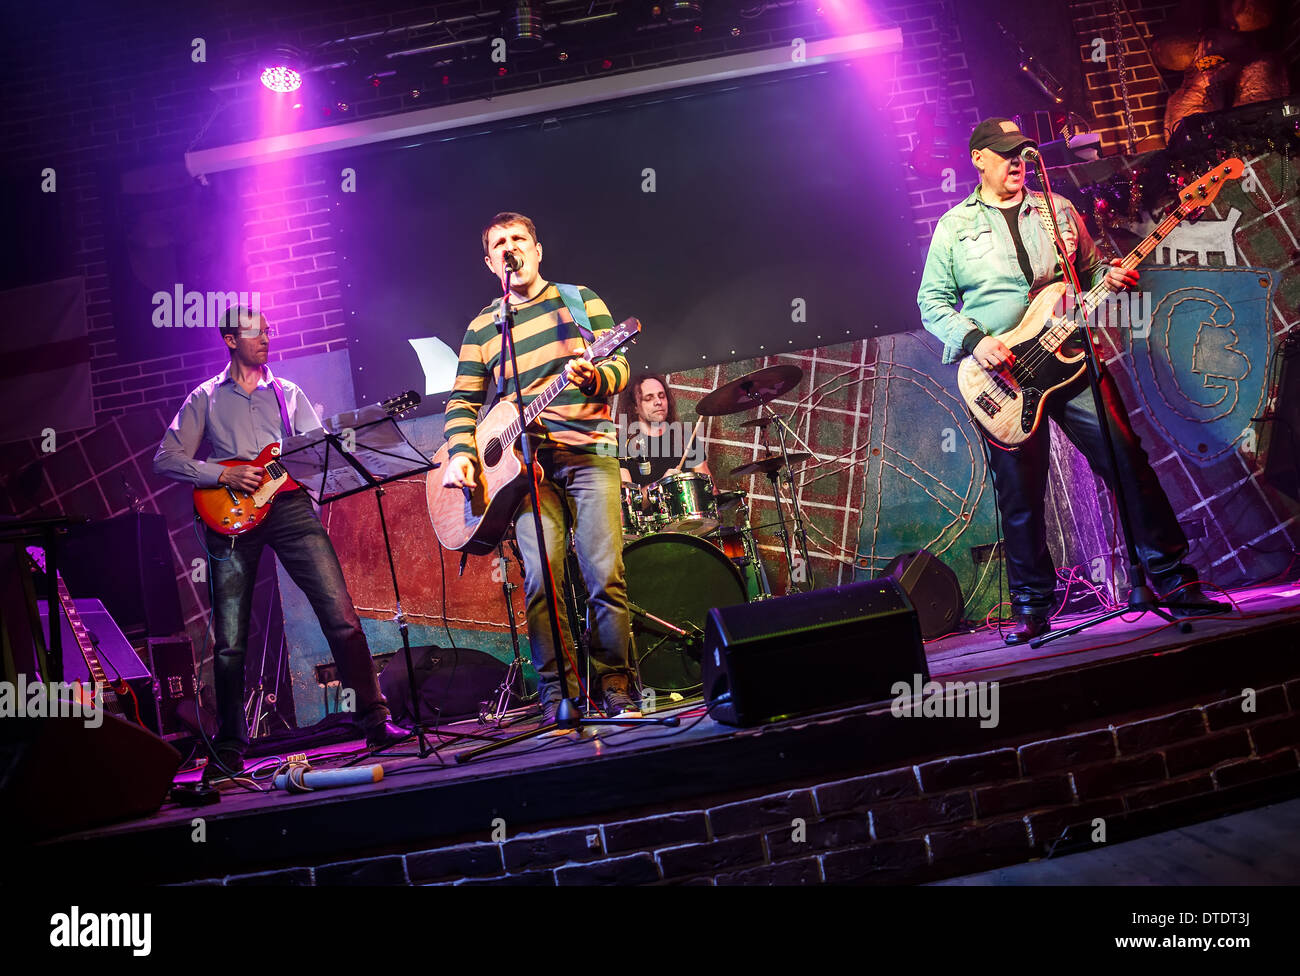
<point x="988" y="255"/>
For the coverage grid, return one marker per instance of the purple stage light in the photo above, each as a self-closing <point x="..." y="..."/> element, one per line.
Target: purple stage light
<point x="281" y="78"/>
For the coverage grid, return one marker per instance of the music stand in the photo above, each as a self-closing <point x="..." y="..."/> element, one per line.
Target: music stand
<point x="365" y="450"/>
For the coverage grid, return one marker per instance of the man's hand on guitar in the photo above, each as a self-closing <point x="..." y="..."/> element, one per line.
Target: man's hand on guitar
<point x="992" y="354"/>
<point x="1118" y="277"/>
<point x="459" y="473"/>
<point x="580" y="373"/>
<point x="245" y="477"/>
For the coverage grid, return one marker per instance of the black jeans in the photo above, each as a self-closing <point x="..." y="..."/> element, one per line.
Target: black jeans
<point x="296" y="536"/>
<point x="1020" y="481"/>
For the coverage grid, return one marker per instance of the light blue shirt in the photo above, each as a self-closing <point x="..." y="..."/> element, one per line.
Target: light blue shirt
<point x="973" y="279"/>
<point x="235" y="424"/>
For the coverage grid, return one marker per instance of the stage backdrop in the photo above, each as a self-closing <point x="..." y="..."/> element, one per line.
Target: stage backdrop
<point x="732" y="220"/>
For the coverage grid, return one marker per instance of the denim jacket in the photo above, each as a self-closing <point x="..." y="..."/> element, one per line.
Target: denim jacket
<point x="972" y="278"/>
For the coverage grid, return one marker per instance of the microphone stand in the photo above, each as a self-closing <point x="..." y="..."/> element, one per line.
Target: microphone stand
<point x="1141" y="597"/>
<point x="567" y="716"/>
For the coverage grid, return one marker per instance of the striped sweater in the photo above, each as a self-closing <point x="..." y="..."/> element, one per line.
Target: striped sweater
<point x="545" y="339"/>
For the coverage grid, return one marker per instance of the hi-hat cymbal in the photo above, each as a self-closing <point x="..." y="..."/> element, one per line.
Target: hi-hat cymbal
<point x="752" y="389"/>
<point x="759" y="422"/>
<point x="766" y="465"/>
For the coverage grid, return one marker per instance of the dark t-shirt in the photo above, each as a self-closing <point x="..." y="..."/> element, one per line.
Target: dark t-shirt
<point x="651" y="455"/>
<point x="1012" y="216"/>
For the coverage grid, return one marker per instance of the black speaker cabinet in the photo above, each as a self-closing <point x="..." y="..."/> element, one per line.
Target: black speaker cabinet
<point x="58" y="775"/>
<point x="933" y="589"/>
<point x="171" y="659"/>
<point x="810" y="652"/>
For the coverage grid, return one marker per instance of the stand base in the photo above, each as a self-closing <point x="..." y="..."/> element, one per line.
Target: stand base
<point x="1141" y="599"/>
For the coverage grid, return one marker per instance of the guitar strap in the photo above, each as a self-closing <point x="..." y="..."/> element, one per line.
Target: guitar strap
<point x="284" y="411"/>
<point x="572" y="299"/>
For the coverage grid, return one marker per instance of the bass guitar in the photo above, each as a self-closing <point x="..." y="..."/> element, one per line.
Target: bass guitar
<point x="1008" y="403"/>
<point x="476" y="520"/>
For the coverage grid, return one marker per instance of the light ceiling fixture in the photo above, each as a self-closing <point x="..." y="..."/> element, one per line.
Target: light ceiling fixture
<point x="526" y="31"/>
<point x="282" y="70"/>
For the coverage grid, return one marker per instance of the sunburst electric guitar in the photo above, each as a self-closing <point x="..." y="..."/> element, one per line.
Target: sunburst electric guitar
<point x="1008" y="404"/>
<point x="231" y="511"/>
<point x="475" y="521"/>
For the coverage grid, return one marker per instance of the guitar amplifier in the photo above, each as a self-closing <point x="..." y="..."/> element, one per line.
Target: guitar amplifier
<point x="116" y="656"/>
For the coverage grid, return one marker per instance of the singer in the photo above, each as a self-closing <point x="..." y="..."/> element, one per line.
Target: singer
<point x="579" y="481"/>
<point x="988" y="257"/>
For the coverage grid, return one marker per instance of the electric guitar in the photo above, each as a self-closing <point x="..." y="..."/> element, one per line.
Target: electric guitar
<point x="231" y="511"/>
<point x="1008" y="404"/>
<point x="476" y="520"/>
<point x="111" y="693"/>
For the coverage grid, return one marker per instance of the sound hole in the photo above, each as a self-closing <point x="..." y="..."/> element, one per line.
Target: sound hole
<point x="492" y="453"/>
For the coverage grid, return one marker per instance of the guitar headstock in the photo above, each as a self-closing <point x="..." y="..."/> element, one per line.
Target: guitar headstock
<point x="37" y="556"/>
<point x="1202" y="191"/>
<point x="626" y="331"/>
<point x="398" y="405"/>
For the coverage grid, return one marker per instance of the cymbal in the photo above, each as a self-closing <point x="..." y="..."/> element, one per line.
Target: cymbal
<point x="766" y="465"/>
<point x="759" y="422"/>
<point x="760" y="386"/>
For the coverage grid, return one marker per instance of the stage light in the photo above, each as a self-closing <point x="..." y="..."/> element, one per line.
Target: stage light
<point x="685" y="11"/>
<point x="525" y="30"/>
<point x="282" y="70"/>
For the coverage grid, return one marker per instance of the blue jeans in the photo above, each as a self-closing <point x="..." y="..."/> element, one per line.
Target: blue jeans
<point x="581" y="491"/>
<point x="295" y="534"/>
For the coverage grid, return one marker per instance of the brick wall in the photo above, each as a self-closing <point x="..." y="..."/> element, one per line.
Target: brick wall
<point x="935" y="819"/>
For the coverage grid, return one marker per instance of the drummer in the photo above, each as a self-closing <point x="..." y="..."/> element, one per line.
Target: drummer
<point x="656" y="440"/>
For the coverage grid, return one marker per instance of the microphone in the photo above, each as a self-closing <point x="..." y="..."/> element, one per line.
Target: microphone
<point x="304" y="779"/>
<point x="512" y="260"/>
<point x="1030" y="154"/>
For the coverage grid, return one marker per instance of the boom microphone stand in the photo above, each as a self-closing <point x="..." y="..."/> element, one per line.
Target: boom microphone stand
<point x="567" y="715"/>
<point x="1140" y="595"/>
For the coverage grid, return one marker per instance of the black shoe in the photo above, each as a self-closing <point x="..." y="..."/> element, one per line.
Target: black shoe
<point x="1026" y="626"/>
<point x="385" y="734"/>
<point x="1191" y="601"/>
<point x="233" y="762"/>
<point x="617" y="693"/>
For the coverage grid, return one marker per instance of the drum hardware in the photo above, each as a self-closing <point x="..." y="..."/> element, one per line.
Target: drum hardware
<point x="769" y="464"/>
<point x="759" y="422"/>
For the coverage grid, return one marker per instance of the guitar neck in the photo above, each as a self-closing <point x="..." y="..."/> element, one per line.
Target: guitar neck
<point x="1097" y="294"/>
<point x="82" y="635"/>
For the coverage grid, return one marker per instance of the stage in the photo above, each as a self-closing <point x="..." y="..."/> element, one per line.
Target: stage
<point x="1126" y="729"/>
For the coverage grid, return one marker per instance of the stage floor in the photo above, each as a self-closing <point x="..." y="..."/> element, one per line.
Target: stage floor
<point x="980" y="656"/>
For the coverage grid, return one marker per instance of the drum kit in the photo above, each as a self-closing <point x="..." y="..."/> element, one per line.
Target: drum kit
<point x="687" y="549"/>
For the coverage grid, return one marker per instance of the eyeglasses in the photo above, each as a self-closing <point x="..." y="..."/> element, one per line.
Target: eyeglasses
<point x="269" y="333"/>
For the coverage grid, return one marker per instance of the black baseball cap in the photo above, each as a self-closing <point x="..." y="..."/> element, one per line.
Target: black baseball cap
<point x="1000" y="135"/>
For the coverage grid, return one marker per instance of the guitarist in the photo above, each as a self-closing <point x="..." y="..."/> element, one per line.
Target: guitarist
<point x="988" y="256"/>
<point x="576" y="451"/>
<point x="239" y="412"/>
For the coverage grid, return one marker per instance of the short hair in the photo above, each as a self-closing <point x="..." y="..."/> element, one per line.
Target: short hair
<point x="230" y="319"/>
<point x="505" y="220"/>
<point x="631" y="396"/>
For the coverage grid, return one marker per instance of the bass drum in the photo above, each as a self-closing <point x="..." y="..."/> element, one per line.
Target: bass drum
<point x="679" y="579"/>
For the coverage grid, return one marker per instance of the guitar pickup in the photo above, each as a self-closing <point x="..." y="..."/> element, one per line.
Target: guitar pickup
<point x="987" y="404"/>
<point x="1006" y="387"/>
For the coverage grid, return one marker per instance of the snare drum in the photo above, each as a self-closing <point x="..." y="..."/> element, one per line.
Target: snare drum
<point x="684" y="503"/>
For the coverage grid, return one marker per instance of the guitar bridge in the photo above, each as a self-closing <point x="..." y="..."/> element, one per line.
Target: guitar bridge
<point x="987" y="404"/>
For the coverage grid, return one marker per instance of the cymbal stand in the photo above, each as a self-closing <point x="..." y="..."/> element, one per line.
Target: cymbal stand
<point x="801" y="534"/>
